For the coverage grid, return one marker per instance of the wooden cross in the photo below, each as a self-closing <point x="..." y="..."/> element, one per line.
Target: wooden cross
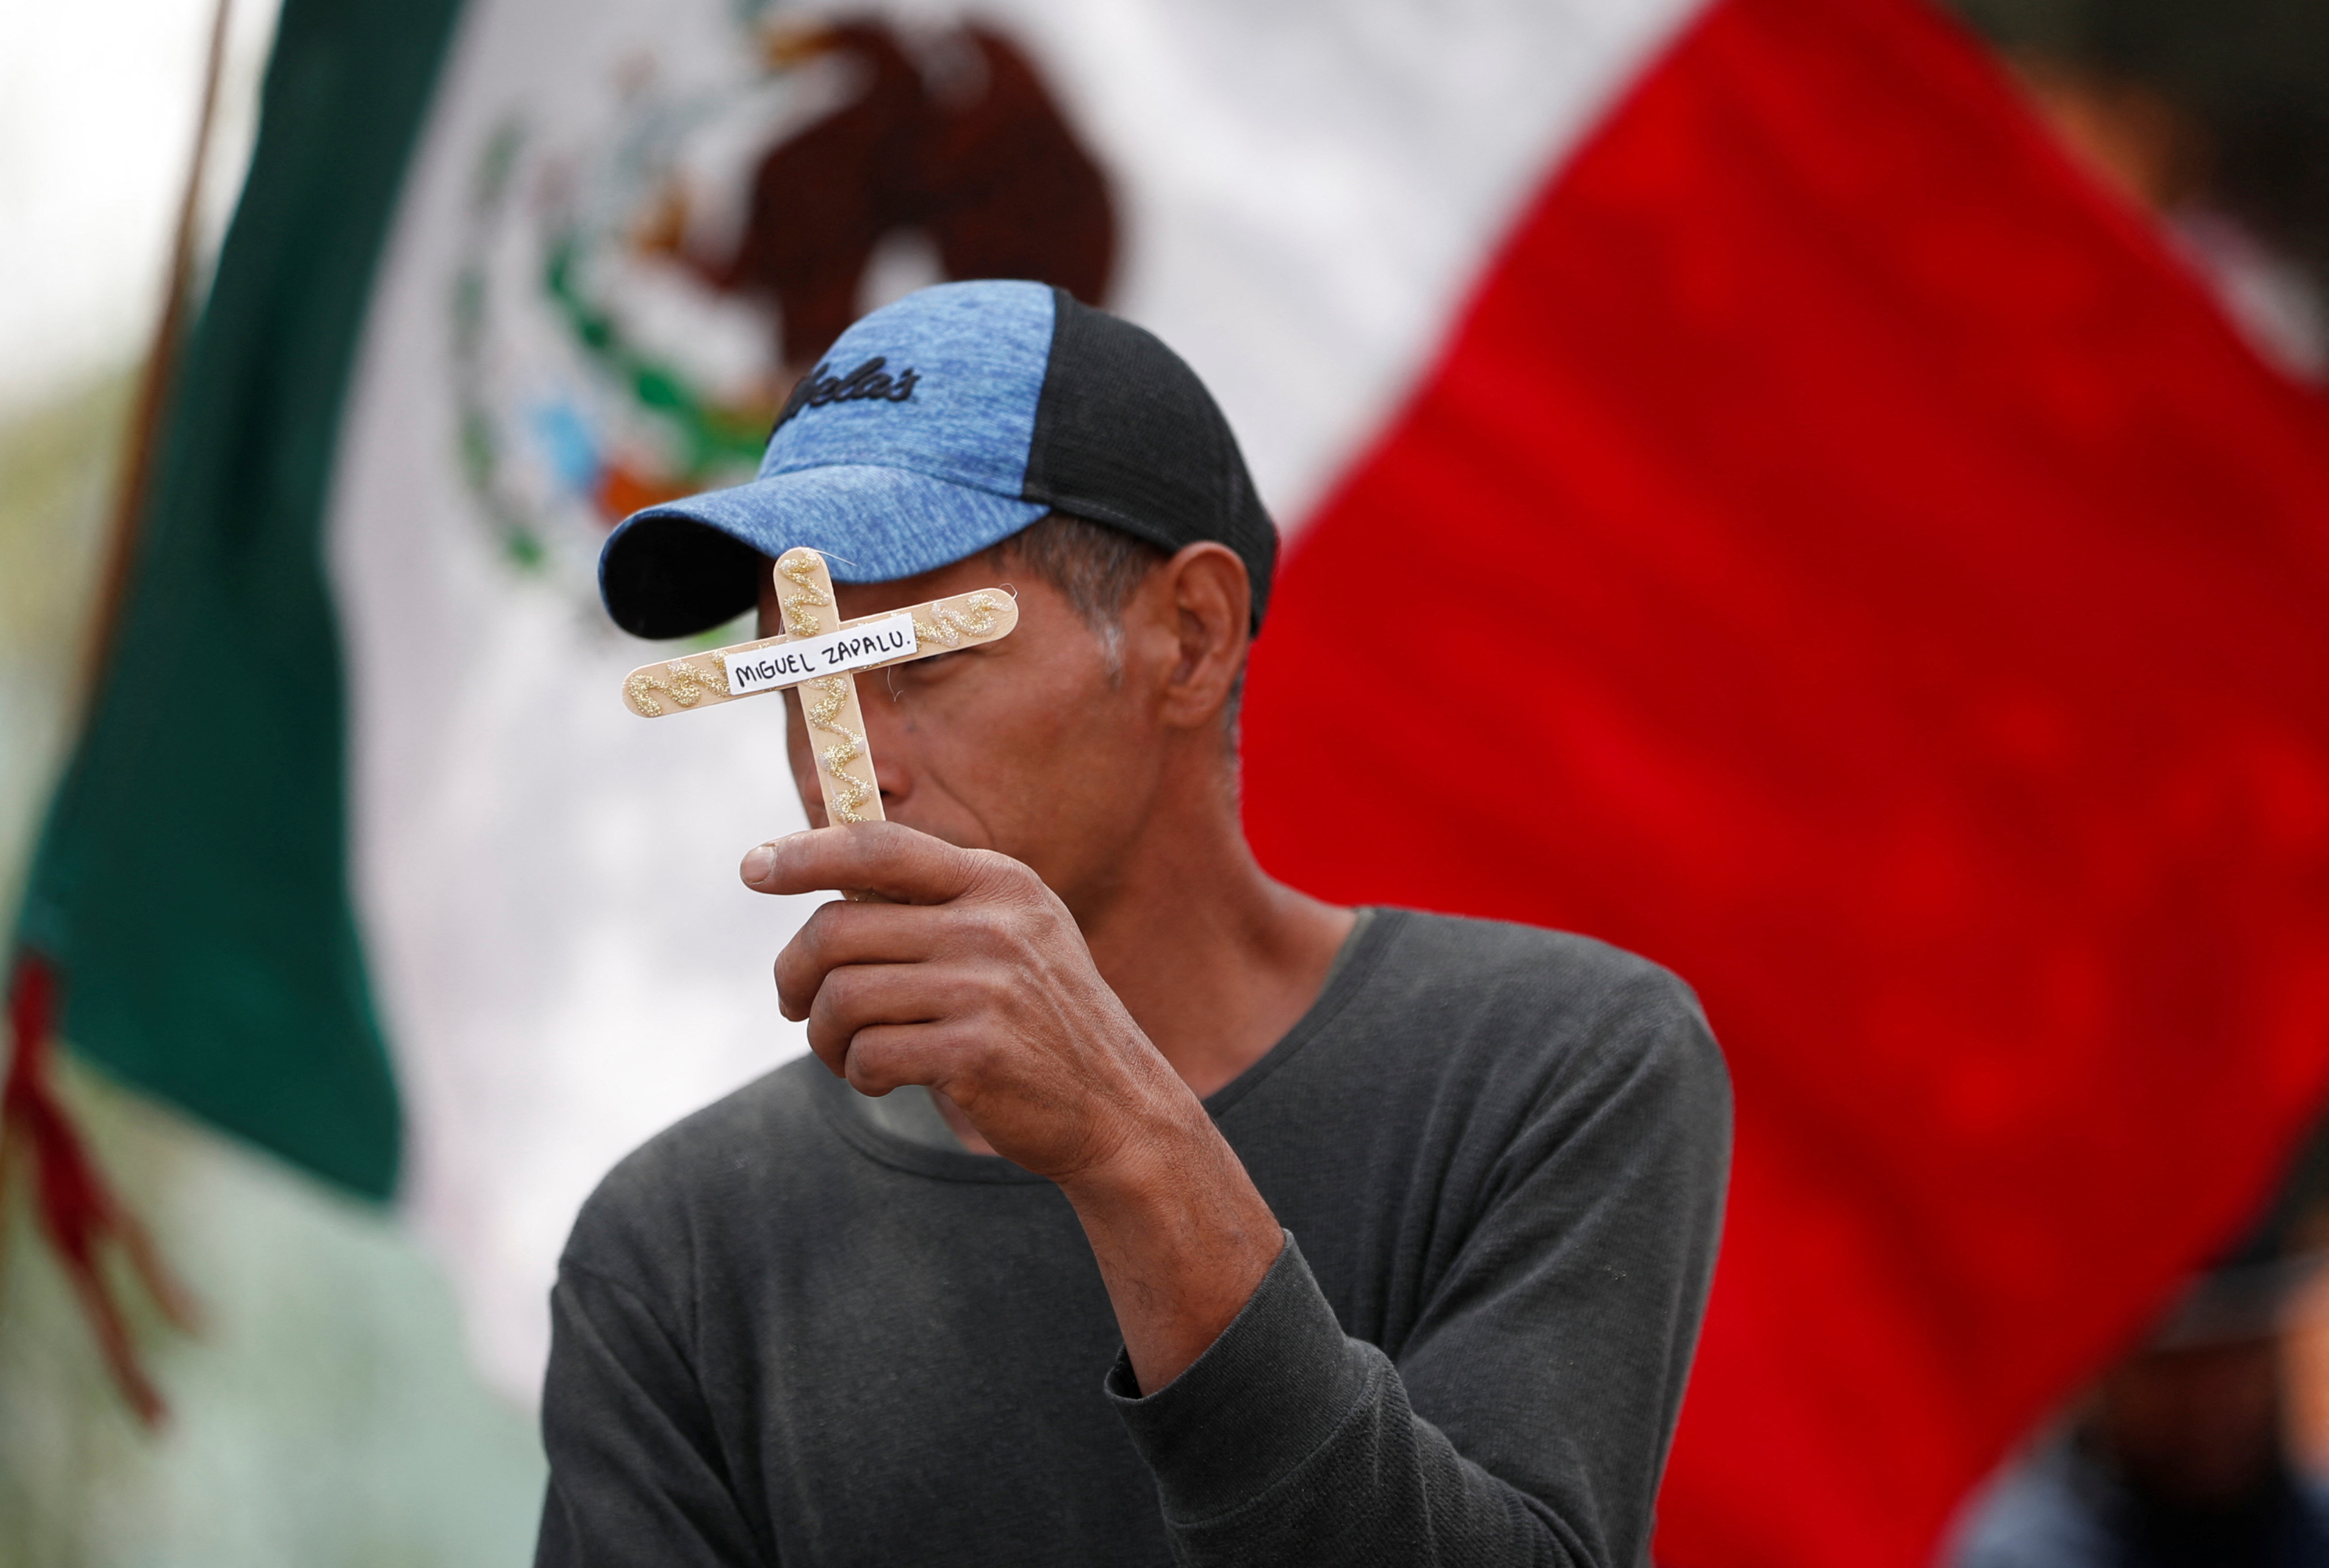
<point x="822" y="653"/>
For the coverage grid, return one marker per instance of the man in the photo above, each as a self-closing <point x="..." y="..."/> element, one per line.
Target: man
<point x="1396" y="1228"/>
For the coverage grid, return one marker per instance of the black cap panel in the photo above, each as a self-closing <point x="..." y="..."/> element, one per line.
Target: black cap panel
<point x="1127" y="434"/>
<point x="677" y="575"/>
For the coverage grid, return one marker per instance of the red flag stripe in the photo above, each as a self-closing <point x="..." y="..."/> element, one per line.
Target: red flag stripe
<point x="78" y="1211"/>
<point x="1851" y="564"/>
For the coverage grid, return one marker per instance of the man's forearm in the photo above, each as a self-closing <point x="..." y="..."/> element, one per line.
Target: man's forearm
<point x="979" y="984"/>
<point x="1182" y="1237"/>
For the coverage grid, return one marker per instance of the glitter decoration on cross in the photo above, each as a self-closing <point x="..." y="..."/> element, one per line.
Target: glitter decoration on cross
<point x="822" y="654"/>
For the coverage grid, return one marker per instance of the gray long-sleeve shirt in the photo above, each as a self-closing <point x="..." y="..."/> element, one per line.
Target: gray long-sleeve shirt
<point x="785" y="1333"/>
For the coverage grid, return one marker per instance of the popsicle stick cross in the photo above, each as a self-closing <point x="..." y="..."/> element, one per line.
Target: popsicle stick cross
<point x="822" y="653"/>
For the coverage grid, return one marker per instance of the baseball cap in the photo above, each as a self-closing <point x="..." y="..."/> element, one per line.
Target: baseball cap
<point x="940" y="425"/>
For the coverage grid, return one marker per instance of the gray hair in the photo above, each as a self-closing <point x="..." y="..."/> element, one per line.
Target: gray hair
<point x="1096" y="569"/>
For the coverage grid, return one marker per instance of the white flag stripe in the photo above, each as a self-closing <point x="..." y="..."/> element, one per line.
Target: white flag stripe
<point x="563" y="955"/>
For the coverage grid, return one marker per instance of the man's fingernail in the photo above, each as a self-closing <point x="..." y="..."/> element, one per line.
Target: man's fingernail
<point x="758" y="861"/>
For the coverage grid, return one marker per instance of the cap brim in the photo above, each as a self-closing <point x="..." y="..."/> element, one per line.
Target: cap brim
<point x="676" y="569"/>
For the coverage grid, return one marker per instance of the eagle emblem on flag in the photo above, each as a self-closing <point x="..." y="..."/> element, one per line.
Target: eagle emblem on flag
<point x="635" y="301"/>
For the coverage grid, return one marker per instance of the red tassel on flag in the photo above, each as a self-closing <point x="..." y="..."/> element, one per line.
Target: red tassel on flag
<point x="78" y="1211"/>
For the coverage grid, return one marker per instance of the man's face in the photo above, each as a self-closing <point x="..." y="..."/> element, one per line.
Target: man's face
<point x="1023" y="745"/>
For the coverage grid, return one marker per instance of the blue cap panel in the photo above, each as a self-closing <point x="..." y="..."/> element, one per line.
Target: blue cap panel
<point x="891" y="470"/>
<point x="968" y="359"/>
<point x="874" y="524"/>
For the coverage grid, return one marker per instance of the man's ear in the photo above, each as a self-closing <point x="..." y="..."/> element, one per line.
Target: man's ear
<point x="1204" y="589"/>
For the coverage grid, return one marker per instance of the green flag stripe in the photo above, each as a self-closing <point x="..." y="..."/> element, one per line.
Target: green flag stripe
<point x="192" y="880"/>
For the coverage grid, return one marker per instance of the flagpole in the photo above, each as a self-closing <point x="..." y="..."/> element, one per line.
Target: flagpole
<point x="144" y="434"/>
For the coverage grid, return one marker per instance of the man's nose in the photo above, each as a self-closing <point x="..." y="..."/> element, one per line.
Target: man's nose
<point x="888" y="736"/>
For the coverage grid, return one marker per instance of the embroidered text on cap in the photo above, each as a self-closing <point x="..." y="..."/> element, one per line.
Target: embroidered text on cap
<point x="868" y="383"/>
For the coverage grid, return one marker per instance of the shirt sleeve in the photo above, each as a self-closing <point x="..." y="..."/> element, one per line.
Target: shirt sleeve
<point x="635" y="1473"/>
<point x="1527" y="1418"/>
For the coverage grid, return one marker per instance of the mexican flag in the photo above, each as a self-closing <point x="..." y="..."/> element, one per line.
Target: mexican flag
<point x="1835" y="550"/>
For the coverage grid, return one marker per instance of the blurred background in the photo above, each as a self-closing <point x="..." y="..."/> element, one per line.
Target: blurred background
<point x="333" y="1405"/>
<point x="328" y="1414"/>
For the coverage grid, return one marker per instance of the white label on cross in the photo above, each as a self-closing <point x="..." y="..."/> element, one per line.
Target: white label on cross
<point x="834" y="653"/>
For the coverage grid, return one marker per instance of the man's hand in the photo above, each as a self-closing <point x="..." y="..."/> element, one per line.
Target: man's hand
<point x="976" y="982"/>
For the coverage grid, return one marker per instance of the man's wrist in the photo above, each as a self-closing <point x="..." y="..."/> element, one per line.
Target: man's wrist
<point x="1182" y="1235"/>
<point x="1154" y="1160"/>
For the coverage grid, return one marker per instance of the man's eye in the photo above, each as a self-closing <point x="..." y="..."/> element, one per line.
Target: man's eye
<point x="904" y="678"/>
